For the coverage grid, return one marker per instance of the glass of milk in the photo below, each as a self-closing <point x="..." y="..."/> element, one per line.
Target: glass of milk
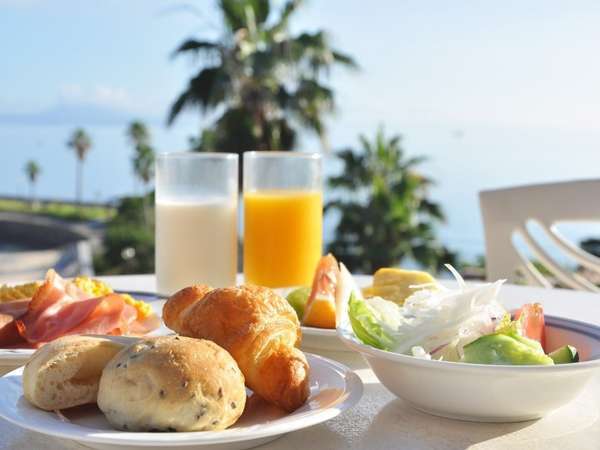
<point x="196" y="220"/>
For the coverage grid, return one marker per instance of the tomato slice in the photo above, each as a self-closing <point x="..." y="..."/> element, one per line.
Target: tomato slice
<point x="533" y="322"/>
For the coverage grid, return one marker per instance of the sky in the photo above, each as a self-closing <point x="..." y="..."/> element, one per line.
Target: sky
<point x="494" y="93"/>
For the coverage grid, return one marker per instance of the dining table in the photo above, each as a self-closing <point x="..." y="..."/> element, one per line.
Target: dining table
<point x="382" y="421"/>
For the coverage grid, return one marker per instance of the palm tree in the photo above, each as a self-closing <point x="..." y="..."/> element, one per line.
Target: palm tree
<point x="138" y="133"/>
<point x="264" y="82"/>
<point x="143" y="161"/>
<point x="81" y="143"/>
<point x="386" y="214"/>
<point x="32" y="170"/>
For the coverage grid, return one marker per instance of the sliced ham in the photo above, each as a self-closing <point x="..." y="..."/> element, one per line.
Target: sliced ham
<point x="55" y="308"/>
<point x="111" y="316"/>
<point x="144" y="326"/>
<point x="9" y="335"/>
<point x="14" y="308"/>
<point x="9" y="311"/>
<point x="60" y="308"/>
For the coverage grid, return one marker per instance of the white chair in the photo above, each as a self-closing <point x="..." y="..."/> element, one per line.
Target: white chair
<point x="506" y="213"/>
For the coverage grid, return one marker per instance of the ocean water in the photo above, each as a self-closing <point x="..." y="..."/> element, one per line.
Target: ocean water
<point x="462" y="161"/>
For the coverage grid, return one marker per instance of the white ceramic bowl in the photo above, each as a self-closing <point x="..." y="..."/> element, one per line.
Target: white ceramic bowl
<point x="489" y="393"/>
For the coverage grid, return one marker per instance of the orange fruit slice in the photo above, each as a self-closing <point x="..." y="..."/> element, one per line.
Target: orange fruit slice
<point x="320" y="308"/>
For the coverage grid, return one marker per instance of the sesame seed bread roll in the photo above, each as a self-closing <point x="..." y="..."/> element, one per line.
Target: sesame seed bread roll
<point x="66" y="372"/>
<point x="172" y="383"/>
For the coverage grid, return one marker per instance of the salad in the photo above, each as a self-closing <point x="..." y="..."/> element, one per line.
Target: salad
<point x="466" y="324"/>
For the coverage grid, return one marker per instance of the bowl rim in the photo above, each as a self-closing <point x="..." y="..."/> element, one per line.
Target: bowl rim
<point x="559" y="322"/>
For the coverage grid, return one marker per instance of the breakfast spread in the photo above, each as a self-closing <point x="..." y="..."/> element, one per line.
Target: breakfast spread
<point x="257" y="326"/>
<point x="195" y="381"/>
<point x="247" y="336"/>
<point x="36" y="313"/>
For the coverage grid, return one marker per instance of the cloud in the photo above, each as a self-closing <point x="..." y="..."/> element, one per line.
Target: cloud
<point x="88" y="105"/>
<point x="99" y="95"/>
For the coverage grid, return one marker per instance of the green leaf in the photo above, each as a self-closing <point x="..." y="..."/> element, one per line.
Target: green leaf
<point x="499" y="348"/>
<point x="366" y="326"/>
<point x="195" y="46"/>
<point x="234" y="12"/>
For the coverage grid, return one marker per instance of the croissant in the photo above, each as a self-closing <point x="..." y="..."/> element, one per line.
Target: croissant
<point x="257" y="327"/>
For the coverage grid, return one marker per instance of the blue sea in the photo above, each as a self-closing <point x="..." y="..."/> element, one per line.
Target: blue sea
<point x="462" y="160"/>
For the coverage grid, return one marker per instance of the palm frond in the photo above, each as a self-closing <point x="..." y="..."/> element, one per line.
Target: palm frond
<point x="207" y="89"/>
<point x="235" y="12"/>
<point x="177" y="107"/>
<point x="288" y="9"/>
<point x="195" y="46"/>
<point x="345" y="60"/>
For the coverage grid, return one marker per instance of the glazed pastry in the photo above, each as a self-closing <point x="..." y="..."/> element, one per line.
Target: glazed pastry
<point x="172" y="383"/>
<point x="176" y="308"/>
<point x="260" y="330"/>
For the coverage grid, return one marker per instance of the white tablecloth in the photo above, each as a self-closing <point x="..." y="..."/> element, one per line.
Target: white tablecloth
<point x="381" y="421"/>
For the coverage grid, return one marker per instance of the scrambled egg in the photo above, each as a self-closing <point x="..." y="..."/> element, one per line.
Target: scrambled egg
<point x="97" y="288"/>
<point x="9" y="293"/>
<point x="94" y="288"/>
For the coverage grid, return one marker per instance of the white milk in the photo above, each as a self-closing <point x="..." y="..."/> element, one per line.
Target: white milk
<point x="196" y="243"/>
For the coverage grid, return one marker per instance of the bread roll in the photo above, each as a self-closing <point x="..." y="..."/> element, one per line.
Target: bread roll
<point x="66" y="372"/>
<point x="172" y="383"/>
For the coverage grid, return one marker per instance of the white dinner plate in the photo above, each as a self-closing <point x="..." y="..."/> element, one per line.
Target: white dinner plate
<point x="333" y="389"/>
<point x="10" y="359"/>
<point x="317" y="339"/>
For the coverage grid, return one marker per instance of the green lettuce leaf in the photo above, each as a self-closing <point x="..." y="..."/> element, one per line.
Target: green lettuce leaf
<point x="366" y="324"/>
<point x="499" y="348"/>
<point x="513" y="329"/>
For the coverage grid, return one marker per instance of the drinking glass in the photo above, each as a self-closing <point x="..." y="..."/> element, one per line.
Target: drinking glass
<point x="196" y="220"/>
<point x="283" y="217"/>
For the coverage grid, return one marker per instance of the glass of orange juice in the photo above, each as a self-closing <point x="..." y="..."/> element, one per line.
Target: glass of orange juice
<point x="283" y="217"/>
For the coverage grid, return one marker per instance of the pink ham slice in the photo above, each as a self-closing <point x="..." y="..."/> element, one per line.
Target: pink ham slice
<point x="144" y="326"/>
<point x="14" y="308"/>
<point x="9" y="311"/>
<point x="59" y="308"/>
<point x="111" y="316"/>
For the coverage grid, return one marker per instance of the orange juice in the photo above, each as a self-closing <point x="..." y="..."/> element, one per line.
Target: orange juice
<point x="283" y="234"/>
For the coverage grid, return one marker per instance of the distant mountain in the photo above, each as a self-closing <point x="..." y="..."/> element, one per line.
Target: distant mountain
<point x="76" y="115"/>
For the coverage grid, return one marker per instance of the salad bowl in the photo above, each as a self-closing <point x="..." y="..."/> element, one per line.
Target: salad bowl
<point x="488" y="393"/>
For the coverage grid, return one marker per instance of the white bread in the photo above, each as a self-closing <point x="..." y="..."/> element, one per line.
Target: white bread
<point x="66" y="372"/>
<point x="172" y="383"/>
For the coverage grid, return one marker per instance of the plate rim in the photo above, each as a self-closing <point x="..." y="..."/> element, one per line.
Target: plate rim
<point x="314" y="331"/>
<point x="348" y="398"/>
